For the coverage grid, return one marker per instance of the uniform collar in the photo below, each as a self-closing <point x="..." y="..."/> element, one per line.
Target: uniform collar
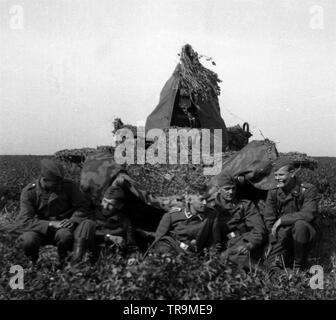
<point x="188" y="214"/>
<point x="293" y="193"/>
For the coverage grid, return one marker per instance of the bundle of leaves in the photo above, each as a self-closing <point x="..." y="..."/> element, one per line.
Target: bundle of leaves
<point x="301" y="160"/>
<point x="196" y="80"/>
<point x="118" y="124"/>
<point x="76" y="156"/>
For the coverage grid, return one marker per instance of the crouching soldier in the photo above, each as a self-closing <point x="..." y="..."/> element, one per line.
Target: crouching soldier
<point x="187" y="228"/>
<point x="112" y="223"/>
<point x="54" y="211"/>
<point x="289" y="215"/>
<point x="242" y="230"/>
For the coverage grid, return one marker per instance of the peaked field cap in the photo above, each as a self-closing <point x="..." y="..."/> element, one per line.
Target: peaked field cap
<point x="283" y="162"/>
<point x="113" y="192"/>
<point x="227" y="180"/>
<point x="51" y="169"/>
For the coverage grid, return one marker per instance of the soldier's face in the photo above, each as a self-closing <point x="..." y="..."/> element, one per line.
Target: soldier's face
<point x="50" y="185"/>
<point x="198" y="203"/>
<point x="228" y="193"/>
<point x="283" y="177"/>
<point x="111" y="206"/>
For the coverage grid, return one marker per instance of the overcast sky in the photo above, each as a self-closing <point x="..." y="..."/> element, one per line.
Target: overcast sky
<point x="68" y="67"/>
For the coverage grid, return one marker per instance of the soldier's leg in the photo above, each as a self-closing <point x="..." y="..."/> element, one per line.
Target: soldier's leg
<point x="303" y="236"/>
<point x="281" y="249"/>
<point x="84" y="239"/>
<point x="231" y="253"/>
<point x="64" y="241"/>
<point x="31" y="242"/>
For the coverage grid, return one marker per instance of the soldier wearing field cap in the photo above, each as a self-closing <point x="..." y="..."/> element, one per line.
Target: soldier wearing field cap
<point x="242" y="230"/>
<point x="113" y="225"/>
<point x="289" y="215"/>
<point x="54" y="211"/>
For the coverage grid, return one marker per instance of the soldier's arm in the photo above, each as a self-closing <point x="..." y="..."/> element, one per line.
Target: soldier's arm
<point x="308" y="210"/>
<point x="254" y="221"/>
<point x="27" y="218"/>
<point x="164" y="226"/>
<point x="80" y="204"/>
<point x="270" y="213"/>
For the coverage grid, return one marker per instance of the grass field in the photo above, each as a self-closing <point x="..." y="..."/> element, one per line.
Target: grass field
<point x="184" y="277"/>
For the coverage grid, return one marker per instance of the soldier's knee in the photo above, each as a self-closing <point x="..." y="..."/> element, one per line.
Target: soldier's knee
<point x="303" y="231"/>
<point x="86" y="229"/>
<point x="63" y="235"/>
<point x="30" y="241"/>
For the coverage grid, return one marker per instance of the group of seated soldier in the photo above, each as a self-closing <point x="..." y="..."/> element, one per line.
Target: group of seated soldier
<point x="53" y="210"/>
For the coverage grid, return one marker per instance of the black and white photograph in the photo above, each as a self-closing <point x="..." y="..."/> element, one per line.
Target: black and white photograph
<point x="167" y="156"/>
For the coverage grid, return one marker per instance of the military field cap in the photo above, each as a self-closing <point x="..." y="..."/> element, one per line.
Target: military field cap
<point x="114" y="193"/>
<point x="51" y="170"/>
<point x="283" y="162"/>
<point x="227" y="181"/>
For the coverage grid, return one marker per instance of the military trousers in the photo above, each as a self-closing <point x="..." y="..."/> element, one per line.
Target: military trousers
<point x="241" y="260"/>
<point x="291" y="242"/>
<point x="63" y="238"/>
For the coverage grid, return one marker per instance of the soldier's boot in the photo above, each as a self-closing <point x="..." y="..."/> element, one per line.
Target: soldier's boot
<point x="132" y="249"/>
<point x="63" y="254"/>
<point x="301" y="252"/>
<point x="93" y="251"/>
<point x="79" y="249"/>
<point x="33" y="257"/>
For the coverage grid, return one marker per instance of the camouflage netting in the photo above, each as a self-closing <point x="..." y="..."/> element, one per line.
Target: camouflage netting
<point x="171" y="179"/>
<point x="301" y="160"/>
<point x="76" y="156"/>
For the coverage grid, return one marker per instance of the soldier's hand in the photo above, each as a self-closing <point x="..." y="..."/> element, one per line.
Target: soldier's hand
<point x="242" y="249"/>
<point x="268" y="250"/>
<point x="117" y="240"/>
<point x="276" y="225"/>
<point x="55" y="224"/>
<point x="66" y="223"/>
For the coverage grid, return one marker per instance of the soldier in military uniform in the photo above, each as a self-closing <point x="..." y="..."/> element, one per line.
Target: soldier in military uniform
<point x="54" y="211"/>
<point x="289" y="216"/>
<point x="242" y="230"/>
<point x="112" y="223"/>
<point x="187" y="228"/>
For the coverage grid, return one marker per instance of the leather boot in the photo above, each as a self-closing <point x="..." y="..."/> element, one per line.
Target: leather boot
<point x="301" y="251"/>
<point x="79" y="249"/>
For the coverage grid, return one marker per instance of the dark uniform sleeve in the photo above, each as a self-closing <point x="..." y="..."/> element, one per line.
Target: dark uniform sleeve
<point x="308" y="210"/>
<point x="254" y="221"/>
<point x="164" y="226"/>
<point x="80" y="204"/>
<point x="270" y="211"/>
<point x="27" y="217"/>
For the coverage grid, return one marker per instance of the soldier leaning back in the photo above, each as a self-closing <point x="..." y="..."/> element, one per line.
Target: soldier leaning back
<point x="188" y="228"/>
